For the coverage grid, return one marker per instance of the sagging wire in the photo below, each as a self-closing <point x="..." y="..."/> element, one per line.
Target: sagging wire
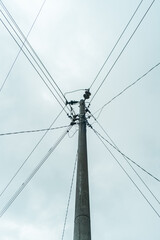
<point x="129" y="159"/>
<point x="125" y="89"/>
<point x="39" y="165"/>
<point x="146" y="199"/>
<point x="77" y="90"/>
<point x="33" y="150"/>
<point x="32" y="131"/>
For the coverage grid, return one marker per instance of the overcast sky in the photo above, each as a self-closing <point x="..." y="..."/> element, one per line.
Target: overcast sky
<point x="73" y="39"/>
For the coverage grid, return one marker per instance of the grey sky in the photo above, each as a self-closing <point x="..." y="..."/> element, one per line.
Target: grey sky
<point x="73" y="39"/>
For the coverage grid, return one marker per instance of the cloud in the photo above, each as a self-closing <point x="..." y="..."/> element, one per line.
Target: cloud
<point x="73" y="40"/>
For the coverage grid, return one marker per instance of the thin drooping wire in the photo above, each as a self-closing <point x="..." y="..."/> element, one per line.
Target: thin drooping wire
<point x="125" y="89"/>
<point x="25" y="161"/>
<point x="115" y="147"/>
<point x="33" y="66"/>
<point x="22" y="43"/>
<point x="127" y="160"/>
<point x="115" y="45"/>
<point x="78" y="90"/>
<point x="122" y="50"/>
<point x="24" y="184"/>
<point x="69" y="197"/>
<point x="156" y="212"/>
<point x="23" y="36"/>
<point x="32" y="131"/>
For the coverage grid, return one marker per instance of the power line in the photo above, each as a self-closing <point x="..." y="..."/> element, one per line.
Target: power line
<point x="24" y="184"/>
<point x="127" y="158"/>
<point x="32" y="131"/>
<point x="19" y="30"/>
<point x="129" y="86"/>
<point x="128" y="176"/>
<point x="69" y="198"/>
<point x="151" y="175"/>
<point x="25" y="161"/>
<point x="124" y="155"/>
<point x="22" y="43"/>
<point x="116" y="148"/>
<point x="33" y="65"/>
<point x="116" y="43"/>
<point x="122" y="50"/>
<point x="36" y="60"/>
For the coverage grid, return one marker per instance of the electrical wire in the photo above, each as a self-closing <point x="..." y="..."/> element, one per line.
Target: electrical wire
<point x="78" y="90"/>
<point x="37" y="60"/>
<point x="21" y="33"/>
<point x="32" y="131"/>
<point x="129" y="86"/>
<point x="22" y="44"/>
<point x="116" y="148"/>
<point x="69" y="197"/>
<point x="156" y="212"/>
<point x="122" y="50"/>
<point x="115" y="45"/>
<point x="150" y="174"/>
<point x="24" y="184"/>
<point x="127" y="158"/>
<point x="33" y="66"/>
<point x="124" y="155"/>
<point x="25" y="161"/>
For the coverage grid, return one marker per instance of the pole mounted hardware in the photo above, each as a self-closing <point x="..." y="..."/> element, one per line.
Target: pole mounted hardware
<point x="87" y="94"/>
<point x="71" y="102"/>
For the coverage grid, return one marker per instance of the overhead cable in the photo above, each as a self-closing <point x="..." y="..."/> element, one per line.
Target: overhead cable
<point x="116" y="43"/>
<point x="32" y="131"/>
<point x="69" y="197"/>
<point x="122" y="50"/>
<point x="27" y="42"/>
<point x="155" y="211"/>
<point x="25" y="161"/>
<point x="25" y="39"/>
<point x="116" y="148"/>
<point x="24" y="184"/>
<point x="34" y="56"/>
<point x="125" y="89"/>
<point x="127" y="158"/>
<point x="33" y="65"/>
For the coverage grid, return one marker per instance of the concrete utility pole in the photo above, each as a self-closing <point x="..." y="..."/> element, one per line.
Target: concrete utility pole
<point x="82" y="228"/>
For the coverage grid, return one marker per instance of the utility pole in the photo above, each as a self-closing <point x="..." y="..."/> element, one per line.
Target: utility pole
<point x="82" y="228"/>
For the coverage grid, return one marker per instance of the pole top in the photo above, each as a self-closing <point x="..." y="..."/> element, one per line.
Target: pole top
<point x="82" y="102"/>
<point x="87" y="94"/>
